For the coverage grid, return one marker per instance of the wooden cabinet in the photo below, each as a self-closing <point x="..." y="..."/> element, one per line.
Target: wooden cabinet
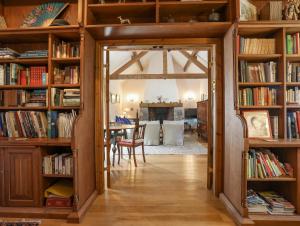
<point x="21" y="177"/>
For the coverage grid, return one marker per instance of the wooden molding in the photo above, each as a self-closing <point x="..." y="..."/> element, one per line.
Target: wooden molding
<point x="158" y="76"/>
<point x="161" y="105"/>
<point x="129" y="63"/>
<point x="139" y="63"/>
<point x="194" y="60"/>
<point x="165" y="61"/>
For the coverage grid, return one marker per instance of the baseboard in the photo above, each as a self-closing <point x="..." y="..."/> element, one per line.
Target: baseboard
<point x="237" y="218"/>
<point x="76" y="217"/>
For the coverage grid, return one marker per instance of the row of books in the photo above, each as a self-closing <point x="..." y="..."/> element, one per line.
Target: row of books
<point x="268" y="202"/>
<point x="23" y="98"/>
<point x="65" y="97"/>
<point x="262" y="96"/>
<point x="293" y="96"/>
<point x="263" y="163"/>
<point x="66" y="75"/>
<point x="58" y="164"/>
<point x="293" y="72"/>
<point x="16" y="74"/>
<point x="8" y="53"/>
<point x="258" y="72"/>
<point x="292" y="43"/>
<point x="293" y="124"/>
<point x="62" y="49"/>
<point x="34" y="124"/>
<point x="60" y="124"/>
<point x="257" y="46"/>
<point x="16" y="124"/>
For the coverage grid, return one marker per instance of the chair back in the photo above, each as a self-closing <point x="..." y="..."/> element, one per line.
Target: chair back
<point x="138" y="133"/>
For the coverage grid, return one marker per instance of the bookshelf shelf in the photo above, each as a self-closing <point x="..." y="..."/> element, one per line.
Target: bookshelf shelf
<point x="72" y="60"/>
<point x="293" y="106"/>
<point x="23" y="108"/>
<point x="57" y="176"/>
<point x="65" y="108"/>
<point x="28" y="61"/>
<point x="293" y="84"/>
<point x="259" y="57"/>
<point x="65" y="86"/>
<point x="272" y="179"/>
<point x="293" y="57"/>
<point x="22" y="87"/>
<point x="254" y="84"/>
<point x="262" y="107"/>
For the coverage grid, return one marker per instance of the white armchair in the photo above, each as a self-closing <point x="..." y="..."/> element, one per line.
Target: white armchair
<point x="151" y="132"/>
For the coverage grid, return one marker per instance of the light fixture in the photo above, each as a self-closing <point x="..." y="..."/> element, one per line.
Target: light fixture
<point x="190" y="96"/>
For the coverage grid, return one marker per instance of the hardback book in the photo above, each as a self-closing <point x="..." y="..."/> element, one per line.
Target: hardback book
<point x="272" y="11"/>
<point x="58" y="202"/>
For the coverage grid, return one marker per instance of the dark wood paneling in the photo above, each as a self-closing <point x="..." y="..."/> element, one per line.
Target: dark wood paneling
<point x="1" y="177"/>
<point x="22" y="171"/>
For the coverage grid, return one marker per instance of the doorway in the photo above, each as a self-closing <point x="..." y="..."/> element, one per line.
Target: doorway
<point x="189" y="52"/>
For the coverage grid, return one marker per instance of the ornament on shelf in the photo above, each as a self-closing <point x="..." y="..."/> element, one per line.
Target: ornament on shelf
<point x="170" y="19"/>
<point x="124" y="21"/>
<point x="122" y="1"/>
<point x="214" y="16"/>
<point x="3" y="24"/>
<point x="102" y="1"/>
<point x="291" y="10"/>
<point x="193" y="20"/>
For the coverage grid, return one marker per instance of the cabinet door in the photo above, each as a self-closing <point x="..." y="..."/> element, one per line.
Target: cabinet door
<point x="22" y="172"/>
<point x="1" y="177"/>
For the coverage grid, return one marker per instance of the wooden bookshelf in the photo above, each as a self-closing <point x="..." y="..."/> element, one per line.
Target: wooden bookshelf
<point x="288" y="150"/>
<point x="32" y="150"/>
<point x="151" y="18"/>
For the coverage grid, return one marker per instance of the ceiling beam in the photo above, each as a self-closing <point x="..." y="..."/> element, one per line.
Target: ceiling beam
<point x="194" y="60"/>
<point x="129" y="63"/>
<point x="139" y="63"/>
<point x="165" y="61"/>
<point x="188" y="63"/>
<point x="159" y="76"/>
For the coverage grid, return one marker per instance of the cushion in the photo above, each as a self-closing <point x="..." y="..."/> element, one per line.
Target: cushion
<point x="173" y="133"/>
<point x="129" y="141"/>
<point x="152" y="133"/>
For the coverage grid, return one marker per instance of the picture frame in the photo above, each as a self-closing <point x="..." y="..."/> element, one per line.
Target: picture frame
<point x="118" y="99"/>
<point x="113" y="98"/>
<point x="258" y="124"/>
<point x="248" y="11"/>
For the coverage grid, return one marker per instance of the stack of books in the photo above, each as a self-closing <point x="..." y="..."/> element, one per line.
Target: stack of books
<point x="65" y="124"/>
<point x="274" y="125"/>
<point x="255" y="203"/>
<point x="257" y="46"/>
<point x="264" y="164"/>
<point x="60" y="125"/>
<point x="34" y="54"/>
<point x="262" y="96"/>
<point x="16" y="74"/>
<point x="293" y="96"/>
<point x="293" y="124"/>
<point x="292" y="43"/>
<point x="58" y="164"/>
<point x="8" y="53"/>
<point x="24" y="98"/>
<point x="67" y="75"/>
<point x="258" y="72"/>
<point x="59" y="194"/>
<point x="62" y="49"/>
<point x="17" y="124"/>
<point x="277" y="204"/>
<point x="293" y="72"/>
<point x="65" y="97"/>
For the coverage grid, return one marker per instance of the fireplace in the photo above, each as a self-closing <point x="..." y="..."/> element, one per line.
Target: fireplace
<point x="161" y="114"/>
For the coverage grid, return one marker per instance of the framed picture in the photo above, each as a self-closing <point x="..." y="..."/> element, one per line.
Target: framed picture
<point x="113" y="98"/>
<point x="118" y="98"/>
<point x="258" y="124"/>
<point x="248" y="11"/>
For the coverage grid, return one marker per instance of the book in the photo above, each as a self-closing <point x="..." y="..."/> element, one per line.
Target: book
<point x="261" y="96"/>
<point x="272" y="11"/>
<point x="66" y="75"/>
<point x="27" y="124"/>
<point x="64" y="164"/>
<point x="257" y="45"/>
<point x="248" y="11"/>
<point x="292" y="43"/>
<point x="255" y="203"/>
<point x="293" y="96"/>
<point x="263" y="163"/>
<point x="65" y="97"/>
<point x="62" y="49"/>
<point x="293" y="125"/>
<point x="257" y="72"/>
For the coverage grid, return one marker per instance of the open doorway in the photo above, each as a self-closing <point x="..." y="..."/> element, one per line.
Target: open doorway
<point x="155" y="84"/>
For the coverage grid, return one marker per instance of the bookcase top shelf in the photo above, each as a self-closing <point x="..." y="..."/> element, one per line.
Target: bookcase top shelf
<point x="272" y="179"/>
<point x="35" y="142"/>
<point x="273" y="143"/>
<point x="29" y="61"/>
<point x="247" y="84"/>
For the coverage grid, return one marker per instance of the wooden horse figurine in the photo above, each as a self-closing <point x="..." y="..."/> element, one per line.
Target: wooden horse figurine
<point x="124" y="21"/>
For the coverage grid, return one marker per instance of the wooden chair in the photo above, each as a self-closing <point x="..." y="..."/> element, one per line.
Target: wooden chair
<point x="136" y="141"/>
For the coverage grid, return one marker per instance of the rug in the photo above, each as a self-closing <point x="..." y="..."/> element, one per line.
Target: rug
<point x="191" y="147"/>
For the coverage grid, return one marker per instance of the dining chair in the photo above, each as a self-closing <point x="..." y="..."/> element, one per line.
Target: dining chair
<point x="132" y="143"/>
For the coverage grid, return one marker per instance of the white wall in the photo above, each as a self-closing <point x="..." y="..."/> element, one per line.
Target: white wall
<point x="115" y="87"/>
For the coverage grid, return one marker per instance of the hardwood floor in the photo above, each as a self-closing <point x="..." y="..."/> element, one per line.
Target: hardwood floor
<point x="167" y="190"/>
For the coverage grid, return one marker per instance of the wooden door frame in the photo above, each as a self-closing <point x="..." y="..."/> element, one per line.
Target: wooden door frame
<point x="217" y="45"/>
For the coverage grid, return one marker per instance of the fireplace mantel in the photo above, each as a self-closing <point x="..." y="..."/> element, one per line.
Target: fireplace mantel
<point x="161" y="105"/>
